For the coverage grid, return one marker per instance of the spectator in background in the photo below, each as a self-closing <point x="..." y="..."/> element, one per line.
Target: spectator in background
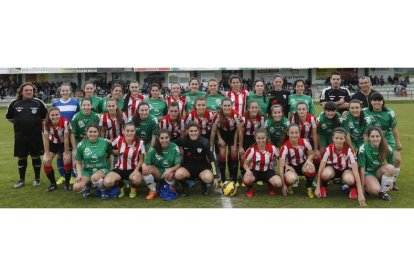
<point x="382" y="82"/>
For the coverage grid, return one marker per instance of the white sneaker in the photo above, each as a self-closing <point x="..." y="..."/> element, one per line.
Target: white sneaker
<point x="36" y="183"/>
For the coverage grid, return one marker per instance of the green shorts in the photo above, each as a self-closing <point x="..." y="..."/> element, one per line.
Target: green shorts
<point x="89" y="172"/>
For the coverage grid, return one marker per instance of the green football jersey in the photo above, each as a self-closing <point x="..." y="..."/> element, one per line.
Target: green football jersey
<point x="190" y="99"/>
<point x="326" y="125"/>
<point x="276" y="129"/>
<point x="214" y="102"/>
<point x="169" y="158"/>
<point x="96" y="104"/>
<point x="157" y="108"/>
<point x="294" y="99"/>
<point x="80" y="122"/>
<point x="356" y="130"/>
<point x="368" y="158"/>
<point x="386" y="121"/>
<point x="146" y="129"/>
<point x="120" y="103"/>
<point x="262" y="103"/>
<point x="94" y="155"/>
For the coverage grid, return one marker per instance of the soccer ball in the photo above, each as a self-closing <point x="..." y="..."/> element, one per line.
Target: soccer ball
<point x="229" y="188"/>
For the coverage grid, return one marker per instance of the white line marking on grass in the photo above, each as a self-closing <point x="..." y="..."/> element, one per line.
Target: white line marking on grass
<point x="226" y="202"/>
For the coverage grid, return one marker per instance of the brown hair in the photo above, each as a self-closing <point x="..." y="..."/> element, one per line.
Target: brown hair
<point x="19" y="95"/>
<point x="175" y="104"/>
<point x="222" y="117"/>
<point x="48" y="122"/>
<point x="157" y="145"/>
<point x="119" y="114"/>
<point x="383" y="146"/>
<point x="136" y="118"/>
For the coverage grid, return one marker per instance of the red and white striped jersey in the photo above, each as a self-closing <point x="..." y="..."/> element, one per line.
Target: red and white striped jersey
<point x="251" y="125"/>
<point x="238" y="101"/>
<point x="262" y="161"/>
<point x="180" y="102"/>
<point x="128" y="155"/>
<point x="204" y="123"/>
<point x="112" y="127"/>
<point x="131" y="109"/>
<point x="57" y="133"/>
<point x="174" y="127"/>
<point x="295" y="155"/>
<point x="307" y="126"/>
<point x="231" y="122"/>
<point x="340" y="161"/>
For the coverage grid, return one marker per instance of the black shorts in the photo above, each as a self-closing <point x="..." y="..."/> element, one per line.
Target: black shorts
<point x="263" y="175"/>
<point x="248" y="141"/>
<point x="196" y="169"/>
<point x="56" y="148"/>
<point x="298" y="168"/>
<point x="124" y="174"/>
<point x="338" y="173"/>
<point x="28" y="145"/>
<point x="228" y="137"/>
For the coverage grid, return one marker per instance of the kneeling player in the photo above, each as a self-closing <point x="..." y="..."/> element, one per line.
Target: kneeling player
<point x="259" y="163"/>
<point x="130" y="152"/>
<point x="296" y="158"/>
<point x="92" y="162"/>
<point x="198" y="160"/>
<point x="161" y="162"/>
<point x="377" y="177"/>
<point x="337" y="160"/>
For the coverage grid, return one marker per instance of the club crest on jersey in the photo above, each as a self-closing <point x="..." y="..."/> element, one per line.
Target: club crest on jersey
<point x="19" y="109"/>
<point x="218" y="101"/>
<point x="34" y="110"/>
<point x="323" y="126"/>
<point x="284" y="96"/>
<point x="81" y="124"/>
<point x="199" y="150"/>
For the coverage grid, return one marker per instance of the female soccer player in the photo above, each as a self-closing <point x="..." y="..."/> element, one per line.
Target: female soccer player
<point x="198" y="160"/>
<point x="259" y="163"/>
<point x="278" y="96"/>
<point x="327" y="121"/>
<point x="161" y="162"/>
<point x="384" y="118"/>
<point x="56" y="141"/>
<point x="132" y="99"/>
<point x="307" y="125"/>
<point x="173" y="121"/>
<point x="201" y="116"/>
<point x="276" y="125"/>
<point x="339" y="161"/>
<point x="96" y="101"/>
<point x="259" y="96"/>
<point x="92" y="164"/>
<point x="356" y="124"/>
<point x="158" y="107"/>
<point x="296" y="158"/>
<point x="237" y="96"/>
<point x="112" y="121"/>
<point x="116" y="94"/>
<point x="214" y="97"/>
<point x="130" y="151"/>
<point x="377" y="176"/>
<point x="68" y="108"/>
<point x="146" y="125"/>
<point x="227" y="126"/>
<point x="300" y="97"/>
<point x="252" y="121"/>
<point x="80" y="121"/>
<point x="192" y="95"/>
<point x="177" y="98"/>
